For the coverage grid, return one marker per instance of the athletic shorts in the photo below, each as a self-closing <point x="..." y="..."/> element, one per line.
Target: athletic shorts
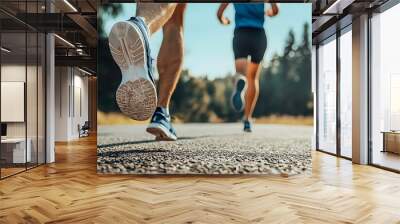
<point x="249" y="42"/>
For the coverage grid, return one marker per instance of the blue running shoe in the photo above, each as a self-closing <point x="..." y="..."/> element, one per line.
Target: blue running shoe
<point x="237" y="98"/>
<point x="129" y="46"/>
<point x="161" y="126"/>
<point x="247" y="126"/>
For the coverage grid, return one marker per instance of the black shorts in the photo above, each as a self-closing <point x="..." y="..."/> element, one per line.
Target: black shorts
<point x="250" y="42"/>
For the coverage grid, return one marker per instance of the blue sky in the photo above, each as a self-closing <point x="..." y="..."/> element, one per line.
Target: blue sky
<point x="208" y="45"/>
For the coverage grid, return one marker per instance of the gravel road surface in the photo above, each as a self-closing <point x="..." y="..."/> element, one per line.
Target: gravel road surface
<point x="206" y="149"/>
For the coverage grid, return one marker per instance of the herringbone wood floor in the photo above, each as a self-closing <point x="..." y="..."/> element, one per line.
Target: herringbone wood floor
<point x="70" y="191"/>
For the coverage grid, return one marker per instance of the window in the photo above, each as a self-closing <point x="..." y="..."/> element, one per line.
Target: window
<point x="327" y="96"/>
<point x="22" y="78"/>
<point x="346" y="75"/>
<point x="385" y="89"/>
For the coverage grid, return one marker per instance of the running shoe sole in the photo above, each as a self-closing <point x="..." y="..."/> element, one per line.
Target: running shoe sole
<point x="237" y="99"/>
<point x="161" y="133"/>
<point x="136" y="96"/>
<point x="247" y="130"/>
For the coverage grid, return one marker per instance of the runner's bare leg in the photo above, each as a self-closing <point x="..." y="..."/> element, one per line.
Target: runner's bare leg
<point x="241" y="66"/>
<point x="155" y="15"/>
<point x="170" y="57"/>
<point x="252" y="76"/>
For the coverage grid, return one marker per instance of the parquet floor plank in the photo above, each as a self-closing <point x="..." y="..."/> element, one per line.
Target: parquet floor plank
<point x="70" y="191"/>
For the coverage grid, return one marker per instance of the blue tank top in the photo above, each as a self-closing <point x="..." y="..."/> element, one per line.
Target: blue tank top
<point x="250" y="15"/>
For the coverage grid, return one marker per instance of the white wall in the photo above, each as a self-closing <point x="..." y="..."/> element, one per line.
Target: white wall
<point x="62" y="80"/>
<point x="14" y="73"/>
<point x="70" y="84"/>
<point x="33" y="126"/>
<point x="80" y="112"/>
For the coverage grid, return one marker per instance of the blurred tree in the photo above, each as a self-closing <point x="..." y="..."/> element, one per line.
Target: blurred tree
<point x="107" y="10"/>
<point x="285" y="85"/>
<point x="191" y="99"/>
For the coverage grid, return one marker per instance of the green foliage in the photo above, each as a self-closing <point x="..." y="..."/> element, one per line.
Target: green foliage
<point x="108" y="78"/>
<point x="202" y="100"/>
<point x="285" y="85"/>
<point x="191" y="99"/>
<point x="106" y="10"/>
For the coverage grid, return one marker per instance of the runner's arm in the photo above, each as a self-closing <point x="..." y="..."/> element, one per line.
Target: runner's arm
<point x="220" y="14"/>
<point x="273" y="11"/>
